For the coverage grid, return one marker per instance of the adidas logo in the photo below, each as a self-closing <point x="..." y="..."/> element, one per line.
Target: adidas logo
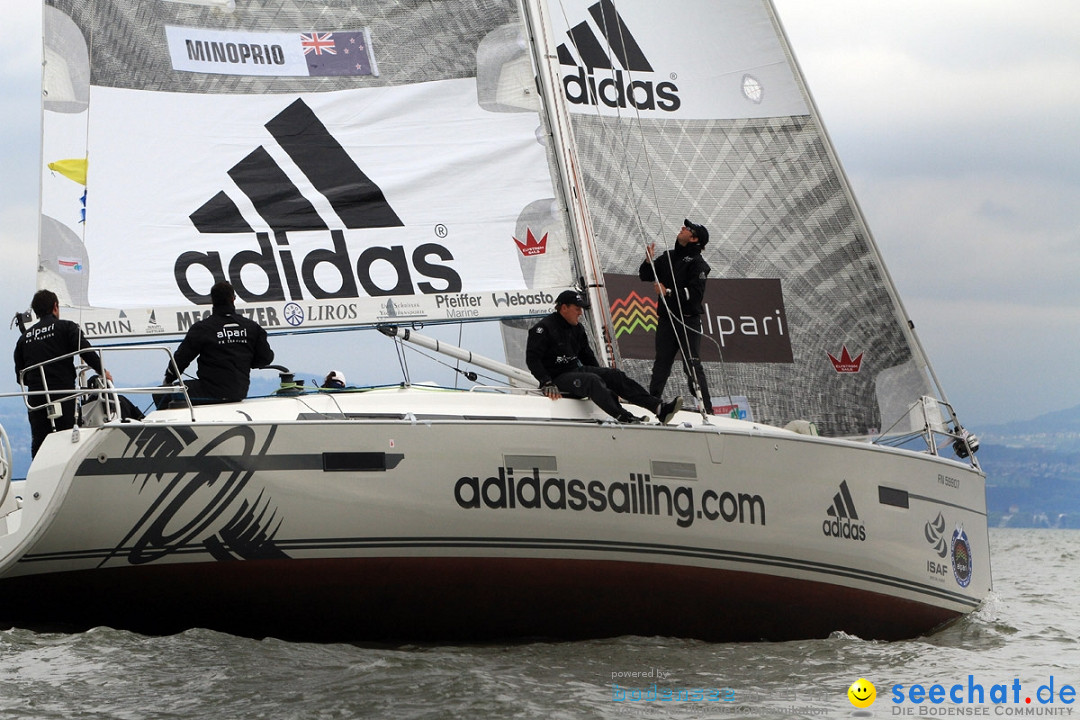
<point x="617" y="87"/>
<point x="357" y="202"/>
<point x="843" y="521"/>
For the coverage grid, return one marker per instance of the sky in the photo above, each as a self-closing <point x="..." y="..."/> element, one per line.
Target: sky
<point x="956" y="121"/>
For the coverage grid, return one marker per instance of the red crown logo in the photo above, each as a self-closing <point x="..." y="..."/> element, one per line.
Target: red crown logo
<point x="845" y="364"/>
<point x="532" y="246"/>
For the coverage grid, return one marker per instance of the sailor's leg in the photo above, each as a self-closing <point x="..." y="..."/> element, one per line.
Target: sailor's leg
<point x="590" y="383"/>
<point x="666" y="347"/>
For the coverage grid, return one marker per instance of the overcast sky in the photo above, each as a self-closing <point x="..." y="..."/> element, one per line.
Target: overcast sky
<point x="958" y="123"/>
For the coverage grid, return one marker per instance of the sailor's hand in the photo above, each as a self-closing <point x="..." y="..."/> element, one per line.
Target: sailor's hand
<point x="650" y="251"/>
<point x="551" y="391"/>
<point x="108" y="376"/>
<point x="660" y="289"/>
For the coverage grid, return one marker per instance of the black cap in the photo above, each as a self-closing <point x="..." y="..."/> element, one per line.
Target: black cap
<point x="571" y="297"/>
<point x="698" y="231"/>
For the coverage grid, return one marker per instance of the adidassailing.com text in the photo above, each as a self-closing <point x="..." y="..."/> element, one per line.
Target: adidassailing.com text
<point x="637" y="496"/>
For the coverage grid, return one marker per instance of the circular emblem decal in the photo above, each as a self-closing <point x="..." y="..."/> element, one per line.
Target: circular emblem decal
<point x="961" y="557"/>
<point x="294" y="314"/>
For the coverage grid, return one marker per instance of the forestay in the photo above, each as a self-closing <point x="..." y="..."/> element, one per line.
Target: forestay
<point x="339" y="163"/>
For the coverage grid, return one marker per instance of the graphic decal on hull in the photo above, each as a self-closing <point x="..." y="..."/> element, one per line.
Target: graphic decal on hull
<point x="961" y="557"/>
<point x="843" y="519"/>
<point x="638" y="496"/>
<point x="934" y="532"/>
<point x="204" y="503"/>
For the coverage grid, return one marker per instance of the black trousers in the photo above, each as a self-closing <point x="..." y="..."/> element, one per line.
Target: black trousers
<point x="667" y="347"/>
<point x="604" y="386"/>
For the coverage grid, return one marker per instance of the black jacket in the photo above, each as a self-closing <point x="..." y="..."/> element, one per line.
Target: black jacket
<point x="683" y="271"/>
<point x="50" y="338"/>
<point x="228" y="345"/>
<point x="555" y="346"/>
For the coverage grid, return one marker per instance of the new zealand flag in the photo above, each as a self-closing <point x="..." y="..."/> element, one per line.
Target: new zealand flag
<point x="345" y="52"/>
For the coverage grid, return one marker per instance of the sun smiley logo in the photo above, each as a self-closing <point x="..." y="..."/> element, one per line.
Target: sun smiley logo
<point x="862" y="693"/>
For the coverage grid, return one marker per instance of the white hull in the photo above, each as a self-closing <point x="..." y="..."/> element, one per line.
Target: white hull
<point x="338" y="517"/>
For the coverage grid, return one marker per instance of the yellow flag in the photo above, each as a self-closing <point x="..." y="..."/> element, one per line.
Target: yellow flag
<point x="75" y="168"/>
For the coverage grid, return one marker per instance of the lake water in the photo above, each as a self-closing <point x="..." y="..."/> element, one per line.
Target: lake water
<point x="1021" y="640"/>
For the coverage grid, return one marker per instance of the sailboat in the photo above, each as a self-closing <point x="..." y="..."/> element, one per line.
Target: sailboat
<point x="401" y="164"/>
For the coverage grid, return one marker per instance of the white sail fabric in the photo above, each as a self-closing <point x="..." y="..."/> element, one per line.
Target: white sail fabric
<point x="339" y="168"/>
<point x="700" y="112"/>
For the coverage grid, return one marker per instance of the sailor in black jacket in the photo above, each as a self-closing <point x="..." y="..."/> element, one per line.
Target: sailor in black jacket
<point x="51" y="337"/>
<point x="559" y="356"/>
<point x="227" y="345"/>
<point x="679" y="278"/>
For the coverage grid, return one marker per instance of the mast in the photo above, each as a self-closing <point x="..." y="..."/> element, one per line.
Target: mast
<point x="570" y="181"/>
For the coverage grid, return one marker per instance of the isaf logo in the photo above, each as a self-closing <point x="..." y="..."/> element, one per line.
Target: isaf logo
<point x="959" y="546"/>
<point x="934" y="532"/>
<point x="357" y="202"/>
<point x="618" y="76"/>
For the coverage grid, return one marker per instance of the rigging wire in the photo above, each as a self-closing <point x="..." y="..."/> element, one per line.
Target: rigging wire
<point x="680" y="328"/>
<point x="457" y="364"/>
<point x="470" y="375"/>
<point x="402" y="362"/>
<point x="678" y="325"/>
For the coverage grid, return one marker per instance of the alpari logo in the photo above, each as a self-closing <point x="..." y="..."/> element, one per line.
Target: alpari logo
<point x="357" y="203"/>
<point x="961" y="557"/>
<point x="633" y="312"/>
<point x="619" y="76"/>
<point x="232" y="334"/>
<point x="843" y="521"/>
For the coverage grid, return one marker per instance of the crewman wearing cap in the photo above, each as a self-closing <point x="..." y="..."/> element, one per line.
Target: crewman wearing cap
<point x="678" y="276"/>
<point x="335" y="380"/>
<point x="559" y="356"/>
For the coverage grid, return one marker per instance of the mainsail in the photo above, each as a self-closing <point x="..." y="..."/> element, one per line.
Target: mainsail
<point x="341" y="164"/>
<point x="698" y="109"/>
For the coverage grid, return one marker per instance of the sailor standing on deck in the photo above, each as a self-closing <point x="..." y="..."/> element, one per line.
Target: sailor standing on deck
<point x="559" y="356"/>
<point x="679" y="278"/>
<point x="51" y="337"/>
<point x="227" y="345"/>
